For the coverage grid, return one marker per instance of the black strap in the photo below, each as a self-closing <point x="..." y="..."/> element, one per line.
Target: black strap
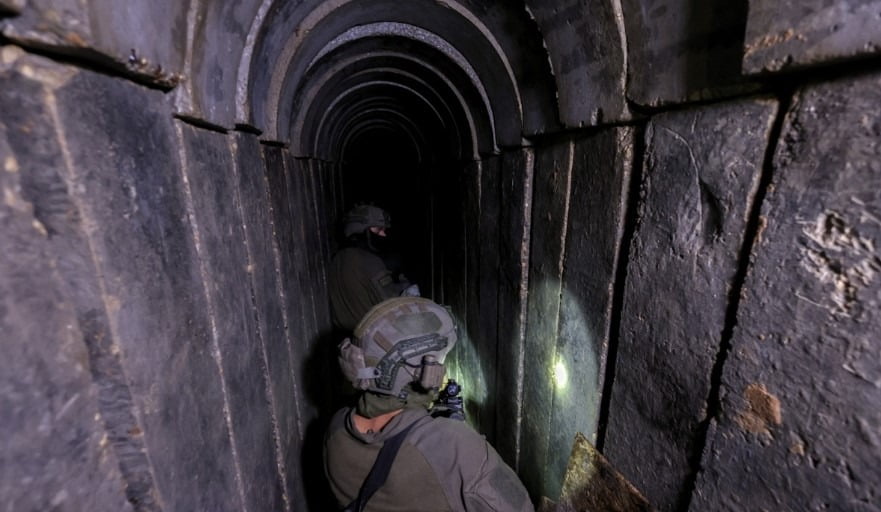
<point x="379" y="472"/>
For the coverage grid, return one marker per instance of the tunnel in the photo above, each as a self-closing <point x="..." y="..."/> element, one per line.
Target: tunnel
<point x="656" y="223"/>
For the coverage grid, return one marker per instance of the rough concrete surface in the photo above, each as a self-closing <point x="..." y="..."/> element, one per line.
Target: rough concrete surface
<point x="294" y="256"/>
<point x="598" y="205"/>
<point x="522" y="44"/>
<point x="56" y="452"/>
<point x="316" y="369"/>
<point x="585" y="41"/>
<point x="264" y="265"/>
<point x="552" y="180"/>
<point x="701" y="172"/>
<point x="683" y="50"/>
<point x="578" y="219"/>
<point x="284" y="229"/>
<point x="783" y="34"/>
<point x="219" y="40"/>
<point x="481" y="408"/>
<point x="515" y="193"/>
<point x="324" y="176"/>
<point x="453" y="260"/>
<point x="451" y="272"/>
<point x="800" y="422"/>
<point x="147" y="38"/>
<point x="318" y="227"/>
<point x="319" y="176"/>
<point x="293" y="413"/>
<point x="488" y="286"/>
<point x="303" y="233"/>
<point x="462" y="362"/>
<point x="164" y="288"/>
<point x="227" y="272"/>
<point x="126" y="183"/>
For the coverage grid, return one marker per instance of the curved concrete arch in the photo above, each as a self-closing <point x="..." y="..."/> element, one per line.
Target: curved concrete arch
<point x="436" y="103"/>
<point x="460" y="102"/>
<point x="183" y="96"/>
<point x="415" y="135"/>
<point x="324" y="9"/>
<point x="511" y="120"/>
<point x="314" y="28"/>
<point x="363" y="80"/>
<point x="345" y="126"/>
<point x="216" y="39"/>
<point x="243" y="108"/>
<point x="390" y="29"/>
<point x="333" y="113"/>
<point x="449" y="116"/>
<point x="432" y="140"/>
<point x="329" y="113"/>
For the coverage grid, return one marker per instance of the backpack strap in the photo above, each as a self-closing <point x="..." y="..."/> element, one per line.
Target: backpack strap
<point x="380" y="470"/>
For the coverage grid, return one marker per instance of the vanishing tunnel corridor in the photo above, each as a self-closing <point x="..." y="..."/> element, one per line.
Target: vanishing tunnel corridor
<point x="656" y="222"/>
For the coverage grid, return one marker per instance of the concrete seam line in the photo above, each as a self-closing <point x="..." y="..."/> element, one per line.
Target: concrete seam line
<point x="216" y="354"/>
<point x="243" y="111"/>
<point x="112" y="363"/>
<point x="751" y="235"/>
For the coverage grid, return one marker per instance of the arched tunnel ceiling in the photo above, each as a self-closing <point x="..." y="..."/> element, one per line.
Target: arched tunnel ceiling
<point x="244" y="62"/>
<point x="484" y="84"/>
<point x="424" y="48"/>
<point x="465" y="108"/>
<point x="373" y="109"/>
<point x="379" y="122"/>
<point x="428" y="101"/>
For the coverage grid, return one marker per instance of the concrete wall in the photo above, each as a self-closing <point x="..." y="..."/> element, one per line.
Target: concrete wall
<point x="683" y="267"/>
<point x="733" y="367"/>
<point x="157" y="323"/>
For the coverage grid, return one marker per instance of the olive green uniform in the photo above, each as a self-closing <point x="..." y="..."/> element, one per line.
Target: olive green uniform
<point x="358" y="280"/>
<point x="443" y="465"/>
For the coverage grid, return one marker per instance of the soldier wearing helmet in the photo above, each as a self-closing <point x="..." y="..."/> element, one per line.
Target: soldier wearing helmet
<point x="396" y="359"/>
<point x="358" y="277"/>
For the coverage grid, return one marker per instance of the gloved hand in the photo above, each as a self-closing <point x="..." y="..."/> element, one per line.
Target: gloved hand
<point x="411" y="291"/>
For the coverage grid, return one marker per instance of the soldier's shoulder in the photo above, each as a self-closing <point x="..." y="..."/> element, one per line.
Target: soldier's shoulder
<point x="455" y="451"/>
<point x="338" y="421"/>
<point x="448" y="431"/>
<point x="350" y="254"/>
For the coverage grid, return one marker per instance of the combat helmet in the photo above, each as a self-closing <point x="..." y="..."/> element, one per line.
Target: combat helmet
<point x="363" y="217"/>
<point x="399" y="341"/>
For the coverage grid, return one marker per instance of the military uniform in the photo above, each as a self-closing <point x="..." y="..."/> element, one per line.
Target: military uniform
<point x="358" y="279"/>
<point x="443" y="465"/>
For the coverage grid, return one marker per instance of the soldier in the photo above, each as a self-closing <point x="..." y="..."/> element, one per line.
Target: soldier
<point x="358" y="276"/>
<point x="414" y="461"/>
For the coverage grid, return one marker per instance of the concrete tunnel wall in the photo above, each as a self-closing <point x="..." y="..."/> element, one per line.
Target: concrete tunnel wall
<point x="657" y="222"/>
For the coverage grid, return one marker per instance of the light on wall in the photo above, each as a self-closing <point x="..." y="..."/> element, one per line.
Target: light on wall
<point x="561" y="375"/>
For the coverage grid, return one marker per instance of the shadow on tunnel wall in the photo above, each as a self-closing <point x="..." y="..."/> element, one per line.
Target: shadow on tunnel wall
<point x="714" y="47"/>
<point x="327" y="391"/>
<point x="684" y="51"/>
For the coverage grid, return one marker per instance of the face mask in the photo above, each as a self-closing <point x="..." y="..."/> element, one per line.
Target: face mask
<point x="378" y="244"/>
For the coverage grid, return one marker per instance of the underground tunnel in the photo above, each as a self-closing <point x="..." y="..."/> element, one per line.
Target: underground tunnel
<point x="656" y="223"/>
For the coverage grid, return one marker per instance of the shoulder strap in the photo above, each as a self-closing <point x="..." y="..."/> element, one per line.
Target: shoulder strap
<point x="379" y="472"/>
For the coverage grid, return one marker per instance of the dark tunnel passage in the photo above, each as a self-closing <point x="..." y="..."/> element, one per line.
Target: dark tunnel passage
<point x="400" y="112"/>
<point x="655" y="222"/>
